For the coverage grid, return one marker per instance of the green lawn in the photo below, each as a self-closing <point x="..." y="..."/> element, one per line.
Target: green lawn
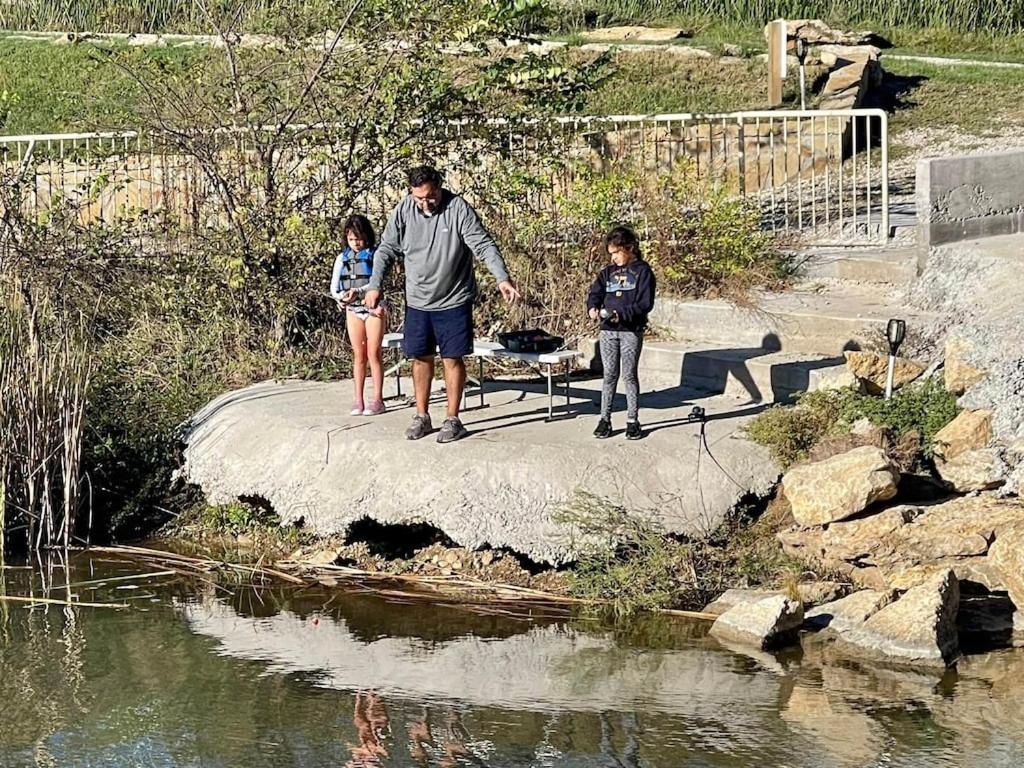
<point x="61" y="88"/>
<point x="971" y="98"/>
<point x="46" y="88"/>
<point x="663" y="82"/>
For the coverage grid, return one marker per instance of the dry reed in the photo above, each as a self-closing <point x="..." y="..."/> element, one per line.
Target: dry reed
<point x="45" y="373"/>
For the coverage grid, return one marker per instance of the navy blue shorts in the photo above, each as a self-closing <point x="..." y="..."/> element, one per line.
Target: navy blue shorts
<point x="447" y="330"/>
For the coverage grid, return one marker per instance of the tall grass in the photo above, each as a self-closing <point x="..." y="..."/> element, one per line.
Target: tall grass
<point x="1004" y="16"/>
<point x="150" y="16"/>
<point x="45" y="373"/>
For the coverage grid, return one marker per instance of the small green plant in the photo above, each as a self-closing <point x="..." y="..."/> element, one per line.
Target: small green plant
<point x="236" y="517"/>
<point x="921" y="408"/>
<point x="627" y="562"/>
<point x="924" y="407"/>
<point x="790" y="432"/>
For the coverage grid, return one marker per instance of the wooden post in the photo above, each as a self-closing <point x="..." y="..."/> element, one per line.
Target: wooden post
<point x="776" y="61"/>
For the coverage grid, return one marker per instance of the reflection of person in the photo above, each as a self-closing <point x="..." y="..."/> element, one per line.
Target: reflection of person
<point x="371" y="720"/>
<point x="419" y="737"/>
<point x="454" y="742"/>
<point x="621" y="298"/>
<point x="437" y="233"/>
<point x="352" y="271"/>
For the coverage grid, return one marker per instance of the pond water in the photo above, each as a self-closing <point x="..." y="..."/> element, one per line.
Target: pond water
<point x="197" y="675"/>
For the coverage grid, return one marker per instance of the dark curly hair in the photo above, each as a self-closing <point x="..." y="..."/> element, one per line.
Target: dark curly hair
<point x="360" y="226"/>
<point x="424" y="174"/>
<point x="623" y="237"/>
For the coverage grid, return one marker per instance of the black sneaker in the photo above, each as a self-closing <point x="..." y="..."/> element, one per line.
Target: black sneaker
<point x="604" y="429"/>
<point x="633" y="431"/>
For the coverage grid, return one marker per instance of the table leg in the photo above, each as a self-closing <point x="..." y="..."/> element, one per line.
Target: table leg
<point x="398" y="377"/>
<point x="551" y="396"/>
<point x="481" y="360"/>
<point x="566" y="386"/>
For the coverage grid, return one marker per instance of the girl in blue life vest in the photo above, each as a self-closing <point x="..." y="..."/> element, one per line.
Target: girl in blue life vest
<point x="352" y="270"/>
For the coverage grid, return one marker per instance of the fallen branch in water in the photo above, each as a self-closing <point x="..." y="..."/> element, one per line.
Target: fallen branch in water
<point x="465" y="589"/>
<point x="199" y="564"/>
<point x="53" y="601"/>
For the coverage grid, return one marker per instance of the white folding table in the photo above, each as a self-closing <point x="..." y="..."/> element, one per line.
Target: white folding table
<point x="485" y="349"/>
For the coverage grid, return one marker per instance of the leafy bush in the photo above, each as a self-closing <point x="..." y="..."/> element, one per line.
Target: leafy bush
<point x="699" y="240"/>
<point x="627" y="562"/>
<point x="790" y="432"/>
<point x="919" y="409"/>
<point x="924" y="407"/>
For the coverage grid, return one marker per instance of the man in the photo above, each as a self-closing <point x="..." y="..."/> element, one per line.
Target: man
<point x="437" y="233"/>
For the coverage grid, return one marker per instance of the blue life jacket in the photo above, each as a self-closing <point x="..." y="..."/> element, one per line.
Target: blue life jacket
<point x="356" y="268"/>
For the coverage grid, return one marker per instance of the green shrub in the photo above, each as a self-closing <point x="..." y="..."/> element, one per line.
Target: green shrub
<point x="627" y="562"/>
<point x="790" y="432"/>
<point x="922" y="408"/>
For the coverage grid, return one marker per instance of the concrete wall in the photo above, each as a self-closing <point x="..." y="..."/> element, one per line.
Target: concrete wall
<point x="963" y="198"/>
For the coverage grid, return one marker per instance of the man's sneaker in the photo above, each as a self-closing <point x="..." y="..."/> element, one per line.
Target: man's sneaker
<point x="604" y="429"/>
<point x="357" y="408"/>
<point x="451" y="431"/>
<point x="633" y="431"/>
<point x="420" y="427"/>
<point x="375" y="408"/>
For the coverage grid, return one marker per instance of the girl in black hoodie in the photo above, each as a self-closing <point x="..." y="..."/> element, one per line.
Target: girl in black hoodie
<point x="621" y="298"/>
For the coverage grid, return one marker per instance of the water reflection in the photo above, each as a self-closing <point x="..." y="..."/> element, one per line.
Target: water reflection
<point x="194" y="676"/>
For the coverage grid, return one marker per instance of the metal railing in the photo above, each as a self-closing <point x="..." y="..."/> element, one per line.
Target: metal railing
<point x="820" y="172"/>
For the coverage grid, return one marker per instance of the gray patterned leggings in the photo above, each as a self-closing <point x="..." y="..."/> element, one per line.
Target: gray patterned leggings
<point x="621" y="347"/>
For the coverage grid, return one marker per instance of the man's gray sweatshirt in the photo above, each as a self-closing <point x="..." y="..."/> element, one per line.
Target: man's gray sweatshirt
<point x="438" y="252"/>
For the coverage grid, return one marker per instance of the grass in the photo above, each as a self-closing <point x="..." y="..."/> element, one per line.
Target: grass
<point x="46" y="88"/>
<point x="663" y="82"/>
<point x="963" y="16"/>
<point x="628" y="561"/>
<point x="970" y="98"/>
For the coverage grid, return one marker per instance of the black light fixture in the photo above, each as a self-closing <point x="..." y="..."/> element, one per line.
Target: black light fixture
<point x="895" y="333"/>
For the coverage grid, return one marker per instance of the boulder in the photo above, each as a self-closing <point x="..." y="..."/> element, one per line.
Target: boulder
<point x="733" y="597"/>
<point x="903" y="546"/>
<point x="859" y="540"/>
<point x="841" y="486"/>
<point x="958" y="373"/>
<point x="969" y="430"/>
<point x="817" y="32"/>
<point x="871" y="369"/>
<point x="768" y="623"/>
<point x="918" y="629"/>
<point x="850" y="611"/>
<point x="1007" y="556"/>
<point x="810" y="592"/>
<point x="635" y="34"/>
<point x="977" y="470"/>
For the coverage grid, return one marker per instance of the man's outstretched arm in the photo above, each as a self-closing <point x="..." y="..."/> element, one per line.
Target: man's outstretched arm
<point x="389" y="250"/>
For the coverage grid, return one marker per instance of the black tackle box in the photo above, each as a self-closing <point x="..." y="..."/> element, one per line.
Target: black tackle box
<point x="533" y="340"/>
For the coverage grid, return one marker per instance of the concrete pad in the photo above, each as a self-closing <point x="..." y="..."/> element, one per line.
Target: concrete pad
<point x="293" y="444"/>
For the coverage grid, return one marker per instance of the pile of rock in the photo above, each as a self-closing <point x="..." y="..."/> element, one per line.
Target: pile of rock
<point x="918" y="565"/>
<point x="916" y="628"/>
<point x="851" y="60"/>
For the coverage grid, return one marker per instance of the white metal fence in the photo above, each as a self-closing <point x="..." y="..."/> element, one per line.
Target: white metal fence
<point x="818" y="172"/>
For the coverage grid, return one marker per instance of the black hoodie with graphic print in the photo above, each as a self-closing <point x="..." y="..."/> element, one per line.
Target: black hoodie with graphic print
<point x="627" y="291"/>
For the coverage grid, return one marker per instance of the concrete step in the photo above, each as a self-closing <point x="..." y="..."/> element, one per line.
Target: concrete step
<point x="893" y="266"/>
<point x="847" y="317"/>
<point x="753" y="373"/>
